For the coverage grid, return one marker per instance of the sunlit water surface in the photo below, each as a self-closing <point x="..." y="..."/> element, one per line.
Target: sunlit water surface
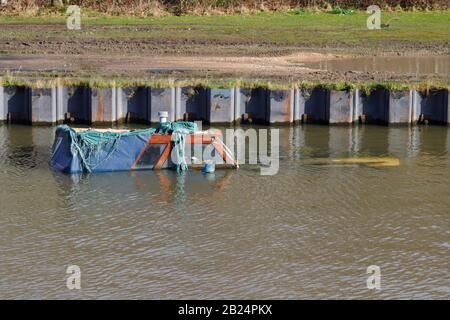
<point x="309" y="231"/>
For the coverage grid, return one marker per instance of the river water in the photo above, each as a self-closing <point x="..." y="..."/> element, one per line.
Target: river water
<point x="309" y="231"/>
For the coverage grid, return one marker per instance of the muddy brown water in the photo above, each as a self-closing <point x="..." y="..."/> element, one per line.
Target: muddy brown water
<point x="417" y="65"/>
<point x="309" y="231"/>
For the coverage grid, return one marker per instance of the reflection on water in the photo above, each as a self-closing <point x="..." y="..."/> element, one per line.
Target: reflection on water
<point x="308" y="232"/>
<point x="418" y="65"/>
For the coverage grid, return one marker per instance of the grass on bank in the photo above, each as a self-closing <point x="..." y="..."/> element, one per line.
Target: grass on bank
<point x="288" y="27"/>
<point x="367" y="87"/>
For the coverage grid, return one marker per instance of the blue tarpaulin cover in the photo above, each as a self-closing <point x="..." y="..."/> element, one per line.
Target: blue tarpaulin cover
<point x="100" y="151"/>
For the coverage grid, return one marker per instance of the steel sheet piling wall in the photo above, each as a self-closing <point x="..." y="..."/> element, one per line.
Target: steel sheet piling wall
<point x="132" y="104"/>
<point x="357" y="106"/>
<point x="400" y="107"/>
<point x="252" y="105"/>
<point x="191" y="104"/>
<point x="161" y="100"/>
<point x="220" y="105"/>
<point x="59" y="104"/>
<point x="2" y="105"/>
<point x="375" y="106"/>
<point x="103" y="105"/>
<point x="17" y="104"/>
<point x="280" y="106"/>
<point x="85" y="105"/>
<point x="76" y="105"/>
<point x="299" y="106"/>
<point x="122" y="95"/>
<point x="415" y="108"/>
<point x="448" y="107"/>
<point x="340" y="107"/>
<point x="43" y="105"/>
<point x="432" y="106"/>
<point x="316" y="106"/>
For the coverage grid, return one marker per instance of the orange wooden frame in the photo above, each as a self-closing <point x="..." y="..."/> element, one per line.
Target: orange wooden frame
<point x="199" y="138"/>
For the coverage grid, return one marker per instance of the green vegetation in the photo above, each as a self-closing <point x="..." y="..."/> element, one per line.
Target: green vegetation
<point x="287" y="28"/>
<point x="204" y="7"/>
<point x="424" y="86"/>
<point x="274" y="31"/>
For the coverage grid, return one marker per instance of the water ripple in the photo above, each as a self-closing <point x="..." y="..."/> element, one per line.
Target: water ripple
<point x="309" y="231"/>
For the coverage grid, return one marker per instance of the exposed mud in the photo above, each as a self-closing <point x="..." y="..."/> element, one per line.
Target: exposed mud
<point x="142" y="57"/>
<point x="289" y="67"/>
<point x="91" y="42"/>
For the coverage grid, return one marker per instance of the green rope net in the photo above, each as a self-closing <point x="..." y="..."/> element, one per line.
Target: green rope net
<point x="89" y="143"/>
<point x="179" y="130"/>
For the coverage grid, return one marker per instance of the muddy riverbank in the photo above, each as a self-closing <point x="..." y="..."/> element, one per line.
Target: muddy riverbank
<point x="307" y="66"/>
<point x="273" y="46"/>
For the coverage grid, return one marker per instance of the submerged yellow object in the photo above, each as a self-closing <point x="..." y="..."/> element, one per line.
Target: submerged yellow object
<point x="347" y="162"/>
<point x="370" y="161"/>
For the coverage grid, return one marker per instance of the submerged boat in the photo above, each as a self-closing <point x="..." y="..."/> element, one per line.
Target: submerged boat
<point x="77" y="150"/>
